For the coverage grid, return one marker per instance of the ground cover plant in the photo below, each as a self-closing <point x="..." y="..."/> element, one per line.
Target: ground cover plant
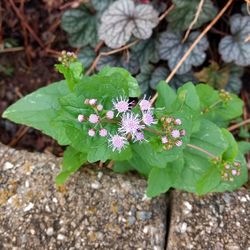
<point x="180" y="142"/>
<point x="177" y="138"/>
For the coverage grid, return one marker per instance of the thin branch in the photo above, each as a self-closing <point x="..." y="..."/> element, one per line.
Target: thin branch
<point x="108" y="54"/>
<point x="164" y="14"/>
<point x="185" y="56"/>
<point x="202" y="150"/>
<point x="247" y="39"/>
<point x="7" y="50"/>
<point x="197" y="14"/>
<point x="233" y="127"/>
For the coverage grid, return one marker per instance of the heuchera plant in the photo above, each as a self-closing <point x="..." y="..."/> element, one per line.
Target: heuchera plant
<point x="180" y="142"/>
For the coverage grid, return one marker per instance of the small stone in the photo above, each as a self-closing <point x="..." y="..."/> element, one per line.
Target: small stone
<point x="243" y="199"/>
<point x="188" y="207"/>
<point x="29" y="207"/>
<point x="99" y="175"/>
<point x="96" y="185"/>
<point x="32" y="231"/>
<point x="143" y="215"/>
<point x="183" y="227"/>
<point x="60" y="237"/>
<point x="7" y="165"/>
<point x="50" y="231"/>
<point x="54" y="200"/>
<point x="131" y="220"/>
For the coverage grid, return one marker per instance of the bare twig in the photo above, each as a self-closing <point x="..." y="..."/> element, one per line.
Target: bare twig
<point x="197" y="14"/>
<point x="18" y="136"/>
<point x="7" y="50"/>
<point x="25" y="24"/>
<point x="203" y="33"/>
<point x="233" y="127"/>
<point x="166" y="12"/>
<point x="201" y="150"/>
<point x="247" y="39"/>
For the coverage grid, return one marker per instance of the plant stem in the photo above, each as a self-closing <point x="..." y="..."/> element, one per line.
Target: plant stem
<point x="214" y="104"/>
<point x="202" y="150"/>
<point x="156" y="132"/>
<point x="233" y="127"/>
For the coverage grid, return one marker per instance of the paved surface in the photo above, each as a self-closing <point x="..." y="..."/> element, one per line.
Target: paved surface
<point x="216" y="221"/>
<point x="95" y="210"/>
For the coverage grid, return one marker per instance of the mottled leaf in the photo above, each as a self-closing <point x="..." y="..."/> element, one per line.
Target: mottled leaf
<point x="236" y="47"/>
<point x="172" y="49"/>
<point x="86" y="56"/>
<point x="101" y="5"/>
<point x="123" y="18"/>
<point x="144" y="77"/>
<point x="184" y="12"/>
<point x="81" y="26"/>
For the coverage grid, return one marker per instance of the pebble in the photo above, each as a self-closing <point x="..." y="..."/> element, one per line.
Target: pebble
<point x="143" y="215"/>
<point x="60" y="237"/>
<point x="29" y="207"/>
<point x="131" y="220"/>
<point x="50" y="231"/>
<point x="183" y="228"/>
<point x="7" y="165"/>
<point x="96" y="185"/>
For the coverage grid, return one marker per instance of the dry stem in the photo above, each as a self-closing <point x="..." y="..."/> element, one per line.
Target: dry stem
<point x="233" y="127"/>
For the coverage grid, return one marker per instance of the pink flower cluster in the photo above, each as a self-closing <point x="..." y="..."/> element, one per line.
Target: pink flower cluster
<point x="230" y="170"/>
<point x="172" y="133"/>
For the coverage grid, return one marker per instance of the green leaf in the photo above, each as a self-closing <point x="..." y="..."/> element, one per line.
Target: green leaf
<point x="172" y="49"/>
<point x="161" y="179"/>
<point x="144" y="77"/>
<point x="166" y="95"/>
<point x="209" y="181"/>
<point x="100" y="152"/>
<point x="122" y="167"/>
<point x="125" y="154"/>
<point x="244" y="147"/>
<point x="72" y="161"/>
<point x="213" y="107"/>
<point x="235" y="48"/>
<point x="72" y="73"/>
<point x="40" y="110"/>
<point x="232" y="149"/>
<point x="123" y="18"/>
<point x="184" y="13"/>
<point x="81" y="26"/>
<point x="134" y="89"/>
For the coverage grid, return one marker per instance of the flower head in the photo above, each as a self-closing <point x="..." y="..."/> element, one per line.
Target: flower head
<point x="144" y="104"/>
<point x="148" y="118"/>
<point x="121" y="104"/>
<point x="93" y="118"/>
<point x="92" y="102"/>
<point x="183" y="132"/>
<point x="86" y="101"/>
<point x="139" y="136"/>
<point x="99" y="107"/>
<point x="164" y="140"/>
<point x="177" y="121"/>
<point x="91" y="132"/>
<point x="80" y="118"/>
<point x="130" y="124"/>
<point x="110" y="114"/>
<point x="178" y="143"/>
<point x="175" y="133"/>
<point x="234" y="172"/>
<point x="103" y="132"/>
<point x="117" y="142"/>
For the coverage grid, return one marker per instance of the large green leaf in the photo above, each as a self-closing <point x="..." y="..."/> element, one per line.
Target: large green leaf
<point x="184" y="13"/>
<point x="72" y="161"/>
<point x="81" y="26"/>
<point x="244" y="147"/>
<point x="161" y="179"/>
<point x="40" y="110"/>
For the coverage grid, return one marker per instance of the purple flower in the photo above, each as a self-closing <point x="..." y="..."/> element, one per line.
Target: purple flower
<point x="148" y="118"/>
<point x="92" y="102"/>
<point x="93" y="118"/>
<point x="178" y="143"/>
<point x="121" y="104"/>
<point x="99" y="107"/>
<point x="164" y="140"/>
<point x="80" y="118"/>
<point x="177" y="121"/>
<point x="91" y="132"/>
<point x="144" y="104"/>
<point x="103" y="132"/>
<point x="234" y="172"/>
<point x="110" y="114"/>
<point x="183" y="132"/>
<point x="175" y="133"/>
<point x="139" y="136"/>
<point x="117" y="142"/>
<point x="130" y="123"/>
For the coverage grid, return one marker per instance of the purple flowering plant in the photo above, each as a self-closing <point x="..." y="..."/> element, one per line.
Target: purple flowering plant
<point x="180" y="141"/>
